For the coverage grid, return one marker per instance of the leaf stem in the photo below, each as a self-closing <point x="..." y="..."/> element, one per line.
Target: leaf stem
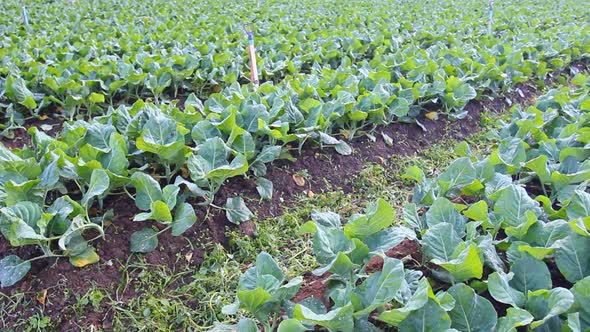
<point x="218" y="207"/>
<point x="41" y="257"/>
<point x="128" y="194"/>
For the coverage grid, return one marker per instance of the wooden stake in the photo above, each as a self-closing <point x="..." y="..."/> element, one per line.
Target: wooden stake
<point x="253" y="66"/>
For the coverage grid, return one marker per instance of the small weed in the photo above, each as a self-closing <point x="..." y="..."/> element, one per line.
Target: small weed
<point x="38" y="322"/>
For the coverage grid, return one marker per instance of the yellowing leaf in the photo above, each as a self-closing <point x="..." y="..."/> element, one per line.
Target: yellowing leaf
<point x="345" y="133"/>
<point x="96" y="97"/>
<point x="432" y="116"/>
<point x="89" y="256"/>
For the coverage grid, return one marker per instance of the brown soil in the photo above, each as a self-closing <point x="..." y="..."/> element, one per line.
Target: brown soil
<point x="313" y="286"/>
<point x="57" y="275"/>
<point x="328" y="171"/>
<point x="21" y="138"/>
<point x="407" y="250"/>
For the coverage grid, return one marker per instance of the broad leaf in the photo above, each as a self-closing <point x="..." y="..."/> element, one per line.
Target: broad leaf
<point x="530" y="274"/>
<point x="341" y="265"/>
<point x="236" y="210"/>
<point x="328" y="243"/>
<point x="17" y="90"/>
<point x="477" y="211"/>
<point x="264" y="188"/>
<point x="466" y="265"/>
<point x="377" y="217"/>
<point x="161" y="136"/>
<point x="572" y="256"/>
<point x="471" y="312"/>
<point x="99" y="183"/>
<point x="515" y="317"/>
<point x="579" y="205"/>
<point x="98" y="135"/>
<point x="430" y="317"/>
<point x="380" y="287"/>
<point x="418" y="300"/>
<point x="388" y="238"/>
<point x="184" y="218"/>
<point x="116" y="159"/>
<point x="87" y="257"/>
<point x="246" y="325"/>
<point x="457" y="175"/>
<point x="440" y="242"/>
<point x="291" y="325"/>
<point x="266" y="265"/>
<point x="145" y="240"/>
<point x="268" y="154"/>
<point x="253" y="301"/>
<point x="338" y="319"/>
<point x="443" y="211"/>
<point x="147" y="190"/>
<point x="170" y="194"/>
<point x="513" y="204"/>
<point x="499" y="288"/>
<point x="12" y="270"/>
<point x="160" y="212"/>
<point x="581" y="292"/>
<point x="546" y="304"/>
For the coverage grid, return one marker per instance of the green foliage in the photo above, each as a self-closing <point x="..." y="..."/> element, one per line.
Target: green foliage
<point x="385" y="73"/>
<point x="13" y="269"/>
<point x="326" y="76"/>
<point x="523" y="234"/>
<point x="539" y="144"/>
<point x="344" y="253"/>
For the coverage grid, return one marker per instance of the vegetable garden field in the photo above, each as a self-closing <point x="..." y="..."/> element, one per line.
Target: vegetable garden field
<point x="391" y="165"/>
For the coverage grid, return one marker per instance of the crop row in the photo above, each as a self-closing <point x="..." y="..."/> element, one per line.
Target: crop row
<point x="507" y="230"/>
<point x="100" y="54"/>
<point x="169" y="160"/>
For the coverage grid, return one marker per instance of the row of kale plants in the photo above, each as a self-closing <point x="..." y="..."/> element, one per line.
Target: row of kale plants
<point x="72" y="66"/>
<point x="170" y="159"/>
<point x="507" y="231"/>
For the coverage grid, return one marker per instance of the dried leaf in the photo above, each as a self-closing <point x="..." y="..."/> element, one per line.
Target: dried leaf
<point x="188" y="256"/>
<point x="387" y="139"/>
<point x="345" y="133"/>
<point x="299" y="180"/>
<point x="310" y="194"/>
<point x="184" y="172"/>
<point x="46" y="127"/>
<point x="42" y="296"/>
